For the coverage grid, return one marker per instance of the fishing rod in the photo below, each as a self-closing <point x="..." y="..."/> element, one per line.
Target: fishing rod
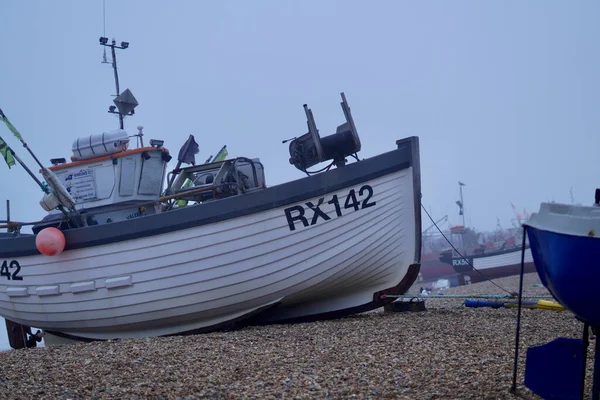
<point x="16" y="157"/>
<point x="18" y="136"/>
<point x="64" y="198"/>
<point x="44" y="188"/>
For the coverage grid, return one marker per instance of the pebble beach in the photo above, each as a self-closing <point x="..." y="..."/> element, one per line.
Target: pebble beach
<point x="447" y="352"/>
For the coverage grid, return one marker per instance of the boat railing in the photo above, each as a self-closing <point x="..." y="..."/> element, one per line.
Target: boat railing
<point x="10" y="226"/>
<point x="202" y="194"/>
<point x="232" y="169"/>
<point x="164" y="204"/>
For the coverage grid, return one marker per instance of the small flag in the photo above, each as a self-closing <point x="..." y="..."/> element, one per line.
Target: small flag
<point x="461" y="184"/>
<point x="221" y="155"/>
<point x="10" y="126"/>
<point x="7" y="153"/>
<point x="189" y="148"/>
<point x="187" y="184"/>
<point x="460" y="207"/>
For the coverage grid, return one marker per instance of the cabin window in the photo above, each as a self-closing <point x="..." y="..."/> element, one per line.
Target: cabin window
<point x="151" y="178"/>
<point x="127" y="181"/>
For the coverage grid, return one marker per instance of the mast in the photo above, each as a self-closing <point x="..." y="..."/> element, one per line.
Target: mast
<point x="124" y="102"/>
<point x="114" y="65"/>
<point x="461" y="203"/>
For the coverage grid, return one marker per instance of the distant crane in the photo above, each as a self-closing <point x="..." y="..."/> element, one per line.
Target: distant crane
<point x="573" y="197"/>
<point x="517" y="214"/>
<point x="444" y="218"/>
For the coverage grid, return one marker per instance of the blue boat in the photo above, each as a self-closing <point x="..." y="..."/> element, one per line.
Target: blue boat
<point x="565" y="244"/>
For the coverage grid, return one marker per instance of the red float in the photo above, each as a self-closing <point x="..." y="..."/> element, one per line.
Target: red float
<point x="50" y="241"/>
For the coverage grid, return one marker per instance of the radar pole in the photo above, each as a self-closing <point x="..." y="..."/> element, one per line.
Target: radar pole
<point x="124" y="102"/>
<point x="123" y="105"/>
<point x="462" y="203"/>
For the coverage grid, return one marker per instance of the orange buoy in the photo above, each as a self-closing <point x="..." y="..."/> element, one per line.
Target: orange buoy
<point x="50" y="241"/>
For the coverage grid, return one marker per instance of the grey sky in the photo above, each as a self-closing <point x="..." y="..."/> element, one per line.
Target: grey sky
<point x="503" y="95"/>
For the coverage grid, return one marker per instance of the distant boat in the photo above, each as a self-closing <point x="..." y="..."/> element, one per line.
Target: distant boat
<point x="433" y="269"/>
<point x="215" y="247"/>
<point x="497" y="259"/>
<point x="475" y="256"/>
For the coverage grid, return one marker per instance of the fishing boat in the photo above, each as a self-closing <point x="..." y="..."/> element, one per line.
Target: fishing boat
<point x="432" y="270"/>
<point x="477" y="257"/>
<point x="128" y="250"/>
<point x="495" y="259"/>
<point x="442" y="263"/>
<point x="565" y="246"/>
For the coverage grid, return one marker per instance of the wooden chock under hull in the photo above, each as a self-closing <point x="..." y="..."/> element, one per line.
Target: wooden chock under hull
<point x="20" y="336"/>
<point x="17" y="336"/>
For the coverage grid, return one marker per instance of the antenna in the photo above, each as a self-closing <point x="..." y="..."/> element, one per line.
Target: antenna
<point x="461" y="204"/>
<point x="124" y="102"/>
<point x="104" y="59"/>
<point x="572" y="197"/>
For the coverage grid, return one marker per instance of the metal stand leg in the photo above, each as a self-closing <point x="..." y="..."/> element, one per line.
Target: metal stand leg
<point x="586" y="342"/>
<point x="596" y="387"/>
<point x="513" y="387"/>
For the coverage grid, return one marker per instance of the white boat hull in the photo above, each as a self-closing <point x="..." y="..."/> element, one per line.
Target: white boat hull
<point x="205" y="276"/>
<point x="506" y="263"/>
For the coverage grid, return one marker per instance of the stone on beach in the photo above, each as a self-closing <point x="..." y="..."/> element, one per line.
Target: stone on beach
<point x="449" y="351"/>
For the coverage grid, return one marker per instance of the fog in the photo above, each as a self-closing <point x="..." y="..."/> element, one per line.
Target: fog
<point x="503" y="95"/>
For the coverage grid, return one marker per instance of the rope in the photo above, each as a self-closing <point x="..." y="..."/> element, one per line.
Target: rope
<point x="463" y="257"/>
<point x="458" y="296"/>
